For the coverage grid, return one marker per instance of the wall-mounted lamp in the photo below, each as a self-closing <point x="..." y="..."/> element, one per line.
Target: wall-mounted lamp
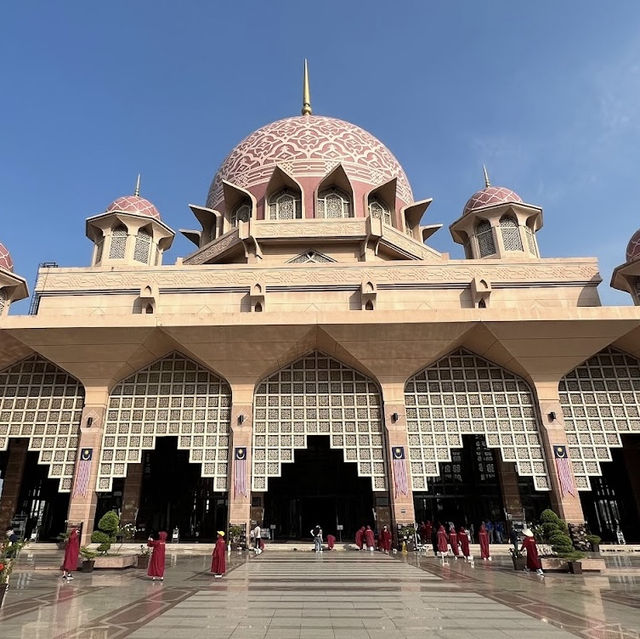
<point x="552" y="416"/>
<point x="240" y="419"/>
<point x="89" y="422"/>
<point x="395" y="417"/>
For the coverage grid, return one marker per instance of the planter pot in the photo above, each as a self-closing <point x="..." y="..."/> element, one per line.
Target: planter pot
<point x="595" y="547"/>
<point x="519" y="563"/>
<point x="87" y="565"/>
<point x="115" y="561"/>
<point x="575" y="567"/>
<point x="3" y="590"/>
<point x="142" y="561"/>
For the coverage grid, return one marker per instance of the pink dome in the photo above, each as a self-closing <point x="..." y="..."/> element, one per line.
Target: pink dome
<point x="633" y="248"/>
<point x="133" y="204"/>
<point x="309" y="146"/>
<point x="5" y="259"/>
<point x="490" y="196"/>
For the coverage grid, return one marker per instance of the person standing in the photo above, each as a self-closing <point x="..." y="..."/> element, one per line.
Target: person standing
<point x="463" y="538"/>
<point x="331" y="542"/>
<point x="360" y="537"/>
<point x="256" y="535"/>
<point x="529" y="545"/>
<point x="489" y="528"/>
<point x="499" y="532"/>
<point x="384" y="540"/>
<point x="434" y="539"/>
<point x="443" y="542"/>
<point x="218" y="557"/>
<point x="71" y="552"/>
<point x="453" y="541"/>
<point x="369" y="538"/>
<point x="427" y="532"/>
<point x="316" y="533"/>
<point x="483" y="539"/>
<point x="156" y="561"/>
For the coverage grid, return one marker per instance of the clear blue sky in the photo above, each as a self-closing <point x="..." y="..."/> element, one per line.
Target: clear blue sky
<point x="546" y="93"/>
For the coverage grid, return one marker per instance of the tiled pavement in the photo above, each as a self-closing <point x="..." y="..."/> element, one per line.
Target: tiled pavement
<point x="304" y="595"/>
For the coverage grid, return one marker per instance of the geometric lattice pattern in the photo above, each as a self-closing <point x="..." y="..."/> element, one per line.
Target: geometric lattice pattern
<point x="174" y="396"/>
<point x="40" y="401"/>
<point x="484" y="235"/>
<point x="510" y="234"/>
<point x="490" y="196"/>
<point x="317" y="395"/>
<point x="600" y="401"/>
<point x="463" y="394"/>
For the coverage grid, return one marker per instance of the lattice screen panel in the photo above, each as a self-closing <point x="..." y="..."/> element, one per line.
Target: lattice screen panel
<point x="173" y="396"/>
<point x="463" y="394"/>
<point x="317" y="395"/>
<point x="40" y="401"/>
<point x="601" y="401"/>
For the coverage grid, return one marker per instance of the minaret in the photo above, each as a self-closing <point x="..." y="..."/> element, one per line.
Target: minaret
<point x="12" y="286"/>
<point x="306" y="93"/>
<point x="626" y="277"/>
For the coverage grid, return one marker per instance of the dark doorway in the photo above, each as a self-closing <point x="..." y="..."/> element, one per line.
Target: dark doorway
<point x="318" y="488"/>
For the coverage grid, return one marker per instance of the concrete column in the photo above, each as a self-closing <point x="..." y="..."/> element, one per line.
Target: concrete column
<point x="82" y="507"/>
<point x="131" y="494"/>
<point x="12" y="481"/>
<point x="508" y="478"/>
<point x="552" y="433"/>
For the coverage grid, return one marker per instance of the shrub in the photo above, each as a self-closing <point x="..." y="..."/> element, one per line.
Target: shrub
<point x="556" y="533"/>
<point x="594" y="539"/>
<point x="106" y="534"/>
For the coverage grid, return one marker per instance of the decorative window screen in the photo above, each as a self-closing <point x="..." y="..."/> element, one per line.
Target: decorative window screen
<point x="510" y="234"/>
<point x="173" y="396"/>
<point x="379" y="209"/>
<point x="241" y="214"/>
<point x="118" y="243"/>
<point x="286" y="205"/>
<point x="600" y="401"/>
<point x="311" y="257"/>
<point x="484" y="235"/>
<point x="40" y="401"/>
<point x="531" y="241"/>
<point x="317" y="395"/>
<point x="142" y="247"/>
<point x="463" y="394"/>
<point x="333" y="204"/>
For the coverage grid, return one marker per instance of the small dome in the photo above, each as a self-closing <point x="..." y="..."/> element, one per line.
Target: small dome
<point x="5" y="258"/>
<point x="633" y="248"/>
<point x="490" y="196"/>
<point x="133" y="204"/>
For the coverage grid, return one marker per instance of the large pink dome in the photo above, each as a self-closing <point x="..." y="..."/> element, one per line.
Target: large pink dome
<point x="490" y="196"/>
<point x="5" y="258"/>
<point x="633" y="248"/>
<point x="309" y="146"/>
<point x="133" y="204"/>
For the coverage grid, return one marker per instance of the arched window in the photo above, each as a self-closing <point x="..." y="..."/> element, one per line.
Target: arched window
<point x="242" y="213"/>
<point x="148" y="309"/>
<point x="510" y="234"/>
<point x="333" y="203"/>
<point x="285" y="205"/>
<point x="118" y="243"/>
<point x="484" y="235"/>
<point x="3" y="300"/>
<point x="142" y="246"/>
<point x="377" y="208"/>
<point x="531" y="241"/>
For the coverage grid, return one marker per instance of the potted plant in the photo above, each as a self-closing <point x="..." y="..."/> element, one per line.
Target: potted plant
<point x="594" y="540"/>
<point x="237" y="537"/>
<point x="518" y="558"/>
<point x="61" y="540"/>
<point x="556" y="533"/>
<point x="106" y="534"/>
<point x="88" y="559"/>
<point x="406" y="536"/>
<point x="142" y="559"/>
<point x="8" y="554"/>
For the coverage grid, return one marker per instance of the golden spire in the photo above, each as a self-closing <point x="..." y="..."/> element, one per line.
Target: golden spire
<point x="306" y="94"/>
<point x="137" y="191"/>
<point x="487" y="184"/>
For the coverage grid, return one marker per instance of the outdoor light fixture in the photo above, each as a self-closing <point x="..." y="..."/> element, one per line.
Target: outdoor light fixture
<point x="89" y="422"/>
<point x="552" y="416"/>
<point x="394" y="417"/>
<point x="240" y="419"/>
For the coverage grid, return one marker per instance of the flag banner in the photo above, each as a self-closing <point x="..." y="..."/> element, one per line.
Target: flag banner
<point x="400" y="482"/>
<point x="564" y="470"/>
<point x="84" y="472"/>
<point x="240" y="474"/>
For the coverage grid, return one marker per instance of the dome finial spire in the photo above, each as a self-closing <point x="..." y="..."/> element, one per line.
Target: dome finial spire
<point x="137" y="191"/>
<point x="487" y="184"/>
<point x="306" y="94"/>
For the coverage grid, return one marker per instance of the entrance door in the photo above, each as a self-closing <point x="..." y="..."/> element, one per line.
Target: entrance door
<point x="318" y="488"/>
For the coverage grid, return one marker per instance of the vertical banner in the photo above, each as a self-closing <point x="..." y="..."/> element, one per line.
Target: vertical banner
<point x="400" y="482"/>
<point x="84" y="472"/>
<point x="564" y="470"/>
<point x="240" y="474"/>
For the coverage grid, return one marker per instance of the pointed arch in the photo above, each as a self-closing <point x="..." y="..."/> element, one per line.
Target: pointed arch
<point x="334" y="197"/>
<point x="317" y="395"/>
<point x="283" y="197"/>
<point x="464" y="394"/>
<point x="173" y="396"/>
<point x="42" y="402"/>
<point x="600" y="400"/>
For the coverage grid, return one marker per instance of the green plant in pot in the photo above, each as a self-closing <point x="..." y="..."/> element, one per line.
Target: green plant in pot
<point x="594" y="540"/>
<point x="237" y="536"/>
<point x="106" y="534"/>
<point x="8" y="555"/>
<point x="142" y="559"/>
<point x="556" y="533"/>
<point x="88" y="558"/>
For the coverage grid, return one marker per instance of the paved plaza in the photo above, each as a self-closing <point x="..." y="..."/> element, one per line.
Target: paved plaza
<point x="350" y="595"/>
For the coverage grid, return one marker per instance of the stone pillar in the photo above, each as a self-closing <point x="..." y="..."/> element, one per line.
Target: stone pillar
<point x="402" y="510"/>
<point x="12" y="481"/>
<point x="508" y="478"/>
<point x="82" y="508"/>
<point x="131" y="494"/>
<point x="552" y="434"/>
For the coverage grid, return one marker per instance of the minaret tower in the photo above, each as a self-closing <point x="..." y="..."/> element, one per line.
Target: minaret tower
<point x="12" y="286"/>
<point x="626" y="277"/>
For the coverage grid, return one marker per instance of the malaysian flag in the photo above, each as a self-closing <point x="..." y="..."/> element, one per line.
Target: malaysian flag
<point x="564" y="470"/>
<point x="399" y="471"/>
<point x="240" y="473"/>
<point x="84" y="472"/>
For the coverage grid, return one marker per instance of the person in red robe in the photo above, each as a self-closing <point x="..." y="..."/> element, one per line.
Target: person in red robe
<point x="384" y="540"/>
<point x="156" y="561"/>
<point x="428" y="532"/>
<point x="422" y="531"/>
<point x="71" y="552"/>
<point x="463" y="538"/>
<point x="483" y="539"/>
<point x="331" y="542"/>
<point x="360" y="537"/>
<point x="529" y="545"/>
<point x="218" y="558"/>
<point x="443" y="541"/>
<point x="453" y="540"/>
<point x="369" y="538"/>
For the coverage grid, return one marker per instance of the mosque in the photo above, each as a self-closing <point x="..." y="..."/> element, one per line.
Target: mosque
<point x="314" y="360"/>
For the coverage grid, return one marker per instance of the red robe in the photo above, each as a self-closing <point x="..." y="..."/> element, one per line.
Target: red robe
<point x="464" y="542"/>
<point x="71" y="551"/>
<point x="428" y="532"/>
<point x="369" y="538"/>
<point x="443" y="542"/>
<point x="453" y="540"/>
<point x="331" y="542"/>
<point x="359" y="535"/>
<point x="218" y="558"/>
<point x="156" y="561"/>
<point x="384" y="540"/>
<point x="533" y="560"/>
<point x="483" y="539"/>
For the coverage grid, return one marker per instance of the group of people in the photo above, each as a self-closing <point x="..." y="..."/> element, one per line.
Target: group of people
<point x="366" y="539"/>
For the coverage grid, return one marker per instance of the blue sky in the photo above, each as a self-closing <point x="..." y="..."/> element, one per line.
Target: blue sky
<point x="547" y="94"/>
